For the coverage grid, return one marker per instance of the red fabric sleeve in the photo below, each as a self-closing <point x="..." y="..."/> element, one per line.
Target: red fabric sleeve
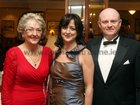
<point x="8" y="77"/>
<point x="51" y="56"/>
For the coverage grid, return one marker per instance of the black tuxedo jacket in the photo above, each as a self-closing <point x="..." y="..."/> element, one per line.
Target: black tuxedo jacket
<point x="123" y="83"/>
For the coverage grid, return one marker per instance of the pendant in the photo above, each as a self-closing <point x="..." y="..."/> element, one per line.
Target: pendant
<point x="35" y="64"/>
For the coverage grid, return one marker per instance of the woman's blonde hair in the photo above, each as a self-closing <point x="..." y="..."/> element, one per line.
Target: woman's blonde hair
<point x="31" y="16"/>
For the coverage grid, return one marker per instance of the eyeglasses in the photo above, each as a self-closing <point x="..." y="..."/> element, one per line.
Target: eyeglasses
<point x="31" y="30"/>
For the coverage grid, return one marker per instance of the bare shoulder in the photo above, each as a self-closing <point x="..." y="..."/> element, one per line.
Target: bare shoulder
<point x="85" y="56"/>
<point x="55" y="49"/>
<point x="85" y="52"/>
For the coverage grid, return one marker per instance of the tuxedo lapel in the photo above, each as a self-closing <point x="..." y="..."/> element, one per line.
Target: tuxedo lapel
<point x="95" y="50"/>
<point x="120" y="54"/>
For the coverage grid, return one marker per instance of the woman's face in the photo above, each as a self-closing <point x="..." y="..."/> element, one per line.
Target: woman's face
<point x="33" y="32"/>
<point x="69" y="32"/>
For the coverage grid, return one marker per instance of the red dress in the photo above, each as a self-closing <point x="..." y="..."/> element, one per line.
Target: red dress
<point x="22" y="84"/>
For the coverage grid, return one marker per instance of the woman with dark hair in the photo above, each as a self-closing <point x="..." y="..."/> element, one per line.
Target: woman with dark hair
<point x="64" y="23"/>
<point x="71" y="79"/>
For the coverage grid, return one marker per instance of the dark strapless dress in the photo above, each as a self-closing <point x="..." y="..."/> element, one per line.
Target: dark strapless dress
<point x="66" y="85"/>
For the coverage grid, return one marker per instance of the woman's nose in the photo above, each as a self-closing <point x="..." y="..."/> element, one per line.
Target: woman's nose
<point x="68" y="30"/>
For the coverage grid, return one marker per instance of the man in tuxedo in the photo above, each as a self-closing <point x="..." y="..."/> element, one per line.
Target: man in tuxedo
<point x="117" y="63"/>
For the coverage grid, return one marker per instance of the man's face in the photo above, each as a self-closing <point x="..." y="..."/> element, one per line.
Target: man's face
<point x="109" y="23"/>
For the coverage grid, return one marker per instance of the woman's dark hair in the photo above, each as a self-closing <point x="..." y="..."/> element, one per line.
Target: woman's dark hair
<point x="65" y="20"/>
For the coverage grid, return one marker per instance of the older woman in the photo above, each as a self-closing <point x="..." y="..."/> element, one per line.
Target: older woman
<point x="26" y="66"/>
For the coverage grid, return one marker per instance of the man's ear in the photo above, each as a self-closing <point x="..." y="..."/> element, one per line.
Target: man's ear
<point x="99" y="23"/>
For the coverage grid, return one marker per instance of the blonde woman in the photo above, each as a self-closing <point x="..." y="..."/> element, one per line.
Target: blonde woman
<point x="26" y="66"/>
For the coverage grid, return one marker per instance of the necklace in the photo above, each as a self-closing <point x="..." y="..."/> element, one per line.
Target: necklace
<point x="35" y="61"/>
<point x="34" y="56"/>
<point x="64" y="51"/>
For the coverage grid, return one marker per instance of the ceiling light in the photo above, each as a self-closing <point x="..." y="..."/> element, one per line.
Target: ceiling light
<point x="132" y="12"/>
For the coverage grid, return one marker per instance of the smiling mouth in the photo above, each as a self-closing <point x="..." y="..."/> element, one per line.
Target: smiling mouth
<point x="110" y="30"/>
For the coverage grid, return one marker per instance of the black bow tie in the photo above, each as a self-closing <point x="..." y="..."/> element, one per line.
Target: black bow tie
<point x="110" y="42"/>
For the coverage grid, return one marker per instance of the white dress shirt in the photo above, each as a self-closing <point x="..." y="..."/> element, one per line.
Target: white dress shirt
<point x="106" y="57"/>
